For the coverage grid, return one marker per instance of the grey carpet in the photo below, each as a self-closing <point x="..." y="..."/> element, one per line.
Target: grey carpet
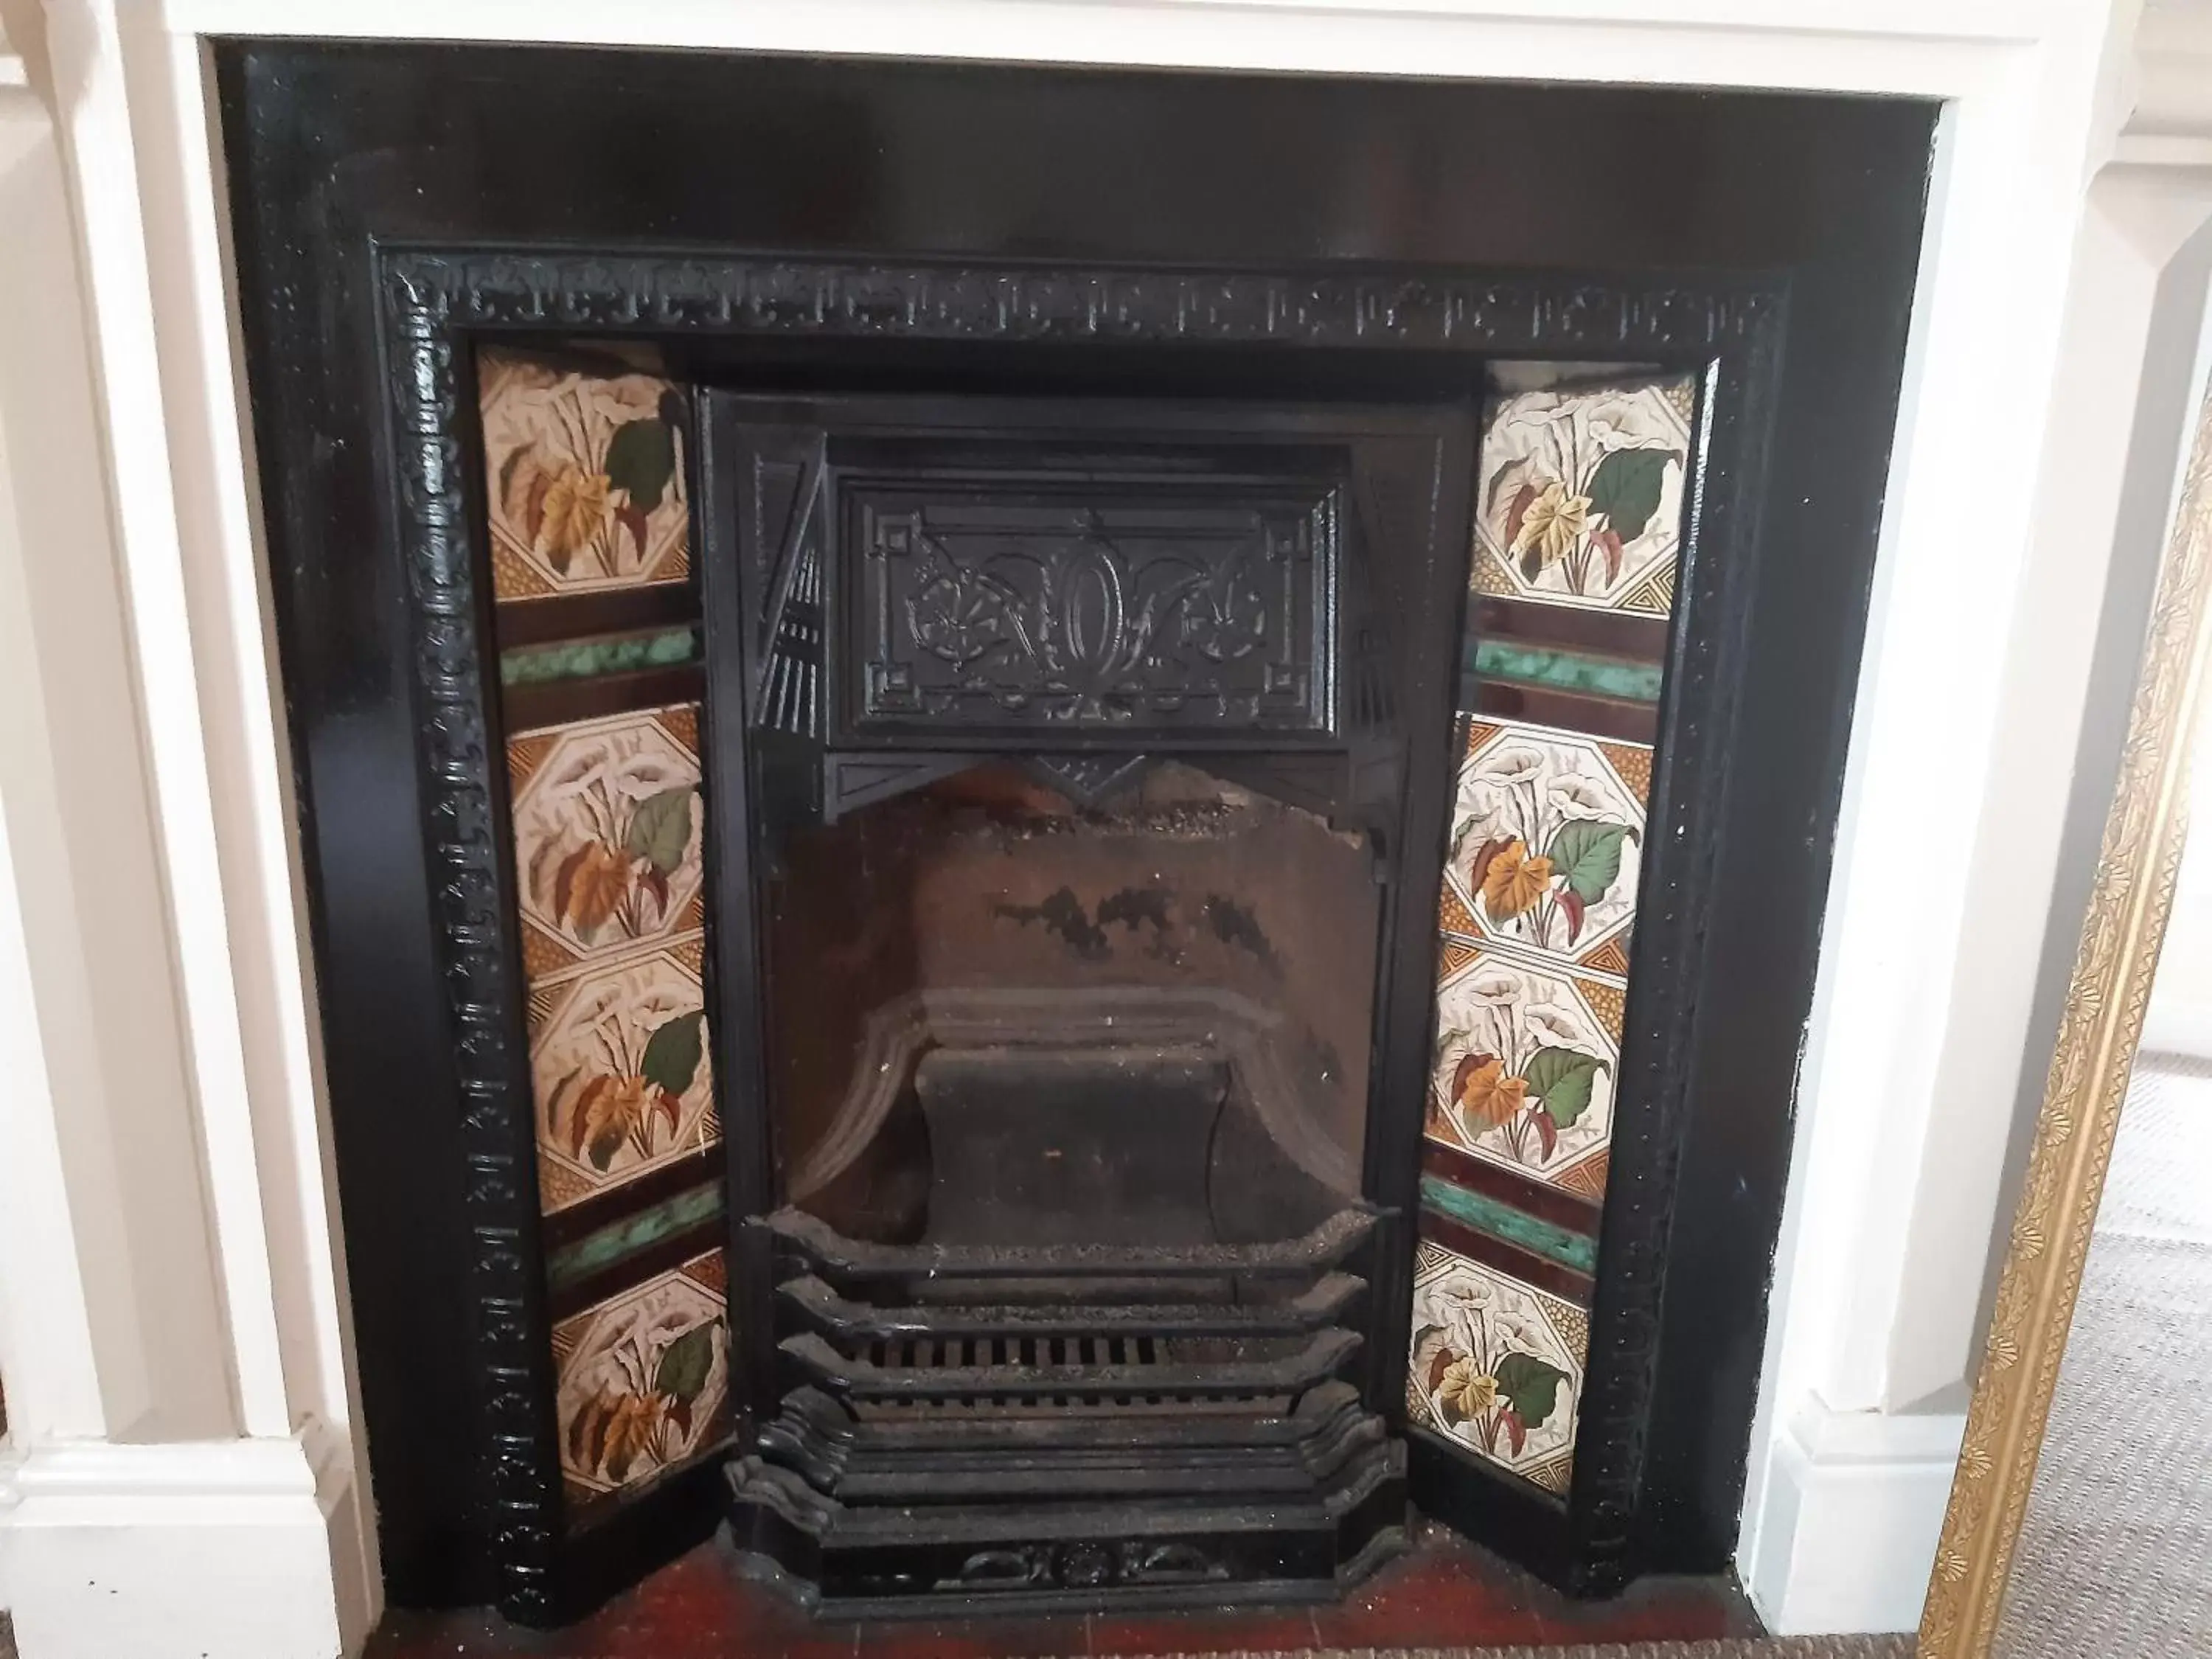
<point x="2115" y="1555"/>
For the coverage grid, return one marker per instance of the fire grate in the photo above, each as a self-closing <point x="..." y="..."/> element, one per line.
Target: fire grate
<point x="946" y="1403"/>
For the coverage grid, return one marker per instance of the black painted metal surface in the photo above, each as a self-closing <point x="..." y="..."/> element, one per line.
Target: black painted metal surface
<point x="1075" y="232"/>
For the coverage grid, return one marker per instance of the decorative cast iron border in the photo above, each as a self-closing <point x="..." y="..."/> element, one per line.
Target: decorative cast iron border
<point x="434" y="299"/>
<point x="1714" y="588"/>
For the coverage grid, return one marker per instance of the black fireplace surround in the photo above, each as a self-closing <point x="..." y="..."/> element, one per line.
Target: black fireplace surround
<point x="1102" y="1296"/>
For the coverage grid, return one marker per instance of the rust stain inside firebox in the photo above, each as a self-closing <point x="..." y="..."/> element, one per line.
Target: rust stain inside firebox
<point x="1151" y="1016"/>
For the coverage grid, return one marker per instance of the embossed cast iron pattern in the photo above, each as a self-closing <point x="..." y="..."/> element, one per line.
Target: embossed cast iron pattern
<point x="363" y="417"/>
<point x="1208" y="613"/>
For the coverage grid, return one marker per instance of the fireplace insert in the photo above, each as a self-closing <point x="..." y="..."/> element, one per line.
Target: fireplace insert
<point x="1077" y="754"/>
<point x="1065" y="828"/>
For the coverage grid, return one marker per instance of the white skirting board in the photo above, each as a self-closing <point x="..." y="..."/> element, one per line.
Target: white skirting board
<point x="1854" y="1504"/>
<point x="182" y="1551"/>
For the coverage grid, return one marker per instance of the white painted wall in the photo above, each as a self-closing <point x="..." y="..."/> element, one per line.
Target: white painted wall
<point x="2113" y="449"/>
<point x="1922" y="1032"/>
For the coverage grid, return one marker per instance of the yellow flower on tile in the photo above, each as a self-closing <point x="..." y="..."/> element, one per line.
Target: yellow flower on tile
<point x="642" y="1381"/>
<point x="614" y="1430"/>
<point x="576" y="507"/>
<point x="1553" y="523"/>
<point x="1467" y="1389"/>
<point x="1486" y="1093"/>
<point x="586" y="476"/>
<point x="611" y="1109"/>
<point x="1514" y="881"/>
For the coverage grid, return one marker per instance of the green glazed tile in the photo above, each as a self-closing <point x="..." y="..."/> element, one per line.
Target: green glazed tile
<point x="1567" y="671"/>
<point x="602" y="1248"/>
<point x="1485" y="1214"/>
<point x="607" y="653"/>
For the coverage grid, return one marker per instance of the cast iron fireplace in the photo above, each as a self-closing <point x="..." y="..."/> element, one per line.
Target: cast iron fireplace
<point x="1078" y="776"/>
<point x="1066" y="829"/>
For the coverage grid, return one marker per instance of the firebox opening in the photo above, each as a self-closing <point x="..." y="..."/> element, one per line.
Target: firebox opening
<point x="1001" y="1018"/>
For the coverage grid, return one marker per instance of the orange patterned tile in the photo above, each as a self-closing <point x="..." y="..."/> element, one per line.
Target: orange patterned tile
<point x="642" y="1383"/>
<point x="585" y="478"/>
<point x="620" y="1074"/>
<point x="1546" y="842"/>
<point x="1496" y="1365"/>
<point x="607" y="829"/>
<point x="1524" y="1068"/>
<point x="1580" y="499"/>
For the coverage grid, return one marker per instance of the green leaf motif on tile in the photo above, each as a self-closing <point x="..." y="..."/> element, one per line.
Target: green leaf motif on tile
<point x="685" y="1363"/>
<point x="1625" y="489"/>
<point x="1563" y="1079"/>
<point x="642" y="458"/>
<point x="672" y="1053"/>
<point x="1588" y="853"/>
<point x="1532" y="1385"/>
<point x="660" y="828"/>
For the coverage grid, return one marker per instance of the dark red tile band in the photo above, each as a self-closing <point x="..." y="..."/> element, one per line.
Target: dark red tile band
<point x="1599" y="717"/>
<point x="556" y="703"/>
<point x="636" y="1268"/>
<point x="1513" y="1263"/>
<point x="1530" y="1197"/>
<point x="1609" y="633"/>
<point x="565" y="1226"/>
<point x="577" y="616"/>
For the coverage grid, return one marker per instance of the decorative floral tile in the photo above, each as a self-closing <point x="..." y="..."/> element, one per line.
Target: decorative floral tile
<point x="1524" y="1068"/>
<point x="1496" y="1366"/>
<point x="585" y="478"/>
<point x="642" y="1381"/>
<point x="607" y="824"/>
<point x="1547" y="828"/>
<point x="1581" y="496"/>
<point x="619" y="1067"/>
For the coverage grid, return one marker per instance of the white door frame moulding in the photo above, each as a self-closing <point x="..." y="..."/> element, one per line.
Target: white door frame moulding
<point x="1854" y="1505"/>
<point x="1898" y="1018"/>
<point x="115" y="1551"/>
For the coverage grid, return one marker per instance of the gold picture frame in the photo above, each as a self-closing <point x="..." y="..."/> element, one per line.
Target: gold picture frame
<point x="2098" y="1032"/>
